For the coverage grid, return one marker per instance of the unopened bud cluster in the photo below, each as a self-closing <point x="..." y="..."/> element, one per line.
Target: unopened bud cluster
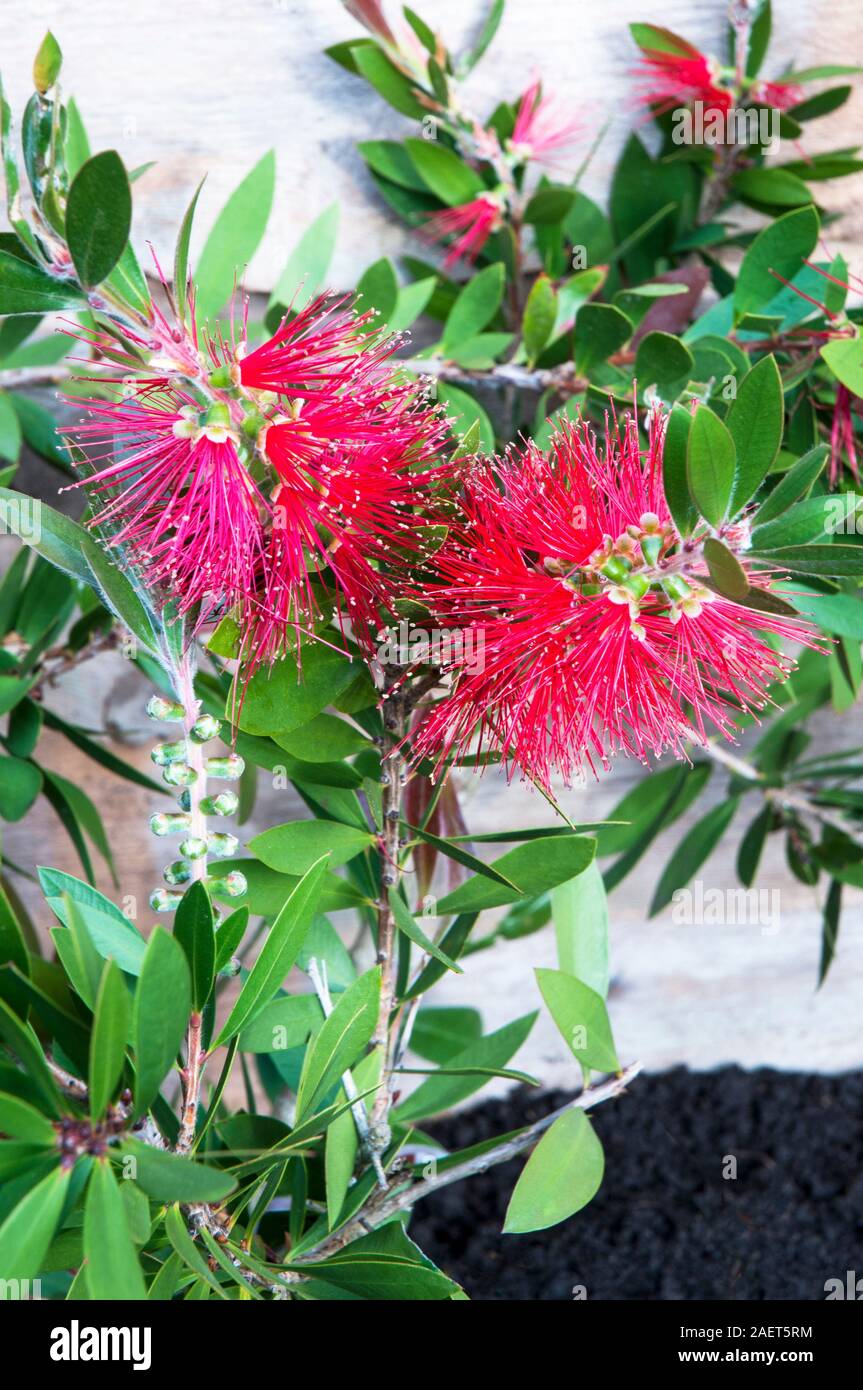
<point x="180" y="762"/>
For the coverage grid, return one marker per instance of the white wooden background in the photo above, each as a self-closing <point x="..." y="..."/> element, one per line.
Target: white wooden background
<point x="206" y="86"/>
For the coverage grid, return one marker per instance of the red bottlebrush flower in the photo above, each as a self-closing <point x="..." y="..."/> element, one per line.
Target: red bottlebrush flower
<point x="322" y="348"/>
<point x="596" y="629"/>
<point x="842" y="440"/>
<point x="341" y="444"/>
<point x="782" y="95"/>
<point x="469" y="225"/>
<point x="174" y="495"/>
<point x="667" y="80"/>
<point x="540" y="130"/>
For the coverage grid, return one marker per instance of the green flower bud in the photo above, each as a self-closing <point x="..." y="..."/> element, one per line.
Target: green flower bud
<point x="163" y="900"/>
<point x="195" y="847"/>
<point x="179" y="775"/>
<point x="169" y="823"/>
<point x="233" y="885"/>
<point x="228" y="769"/>
<point x="222" y="845"/>
<point x="166" y="753"/>
<point x="205" y="728"/>
<point x="177" y="872"/>
<point x="166" y="710"/>
<point x="224" y="804"/>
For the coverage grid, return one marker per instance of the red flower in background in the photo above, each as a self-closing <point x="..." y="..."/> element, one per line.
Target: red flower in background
<point x="597" y="630"/>
<point x="668" y="79"/>
<point x="541" y="130"/>
<point x="467" y="227"/>
<point x="782" y="95"/>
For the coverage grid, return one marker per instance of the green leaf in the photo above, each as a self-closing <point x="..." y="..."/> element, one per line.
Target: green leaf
<point x="283" y="1024"/>
<point x="77" y="144"/>
<point x="283" y="698"/>
<point x="160" y="1015"/>
<point x="385" y="1265"/>
<point x="465" y="413"/>
<point x="47" y="64"/>
<point x="113" y="935"/>
<point x="726" y="571"/>
<point x="779" y="188"/>
<point x="486" y="34"/>
<point x="20" y="784"/>
<point x="581" y="1018"/>
<point x="229" y="935"/>
<point x="10" y="429"/>
<point x="296" y="845"/>
<point x="441" y="170"/>
<point x="600" y="329"/>
<point x="540" y="313"/>
<point x="306" y="268"/>
<point x="178" y="1235"/>
<point x="710" y="465"/>
<point x="98" y="216"/>
<point x="549" y="206"/>
<point x="797" y="481"/>
<point x="325" y="739"/>
<point x="475" y="307"/>
<point x="340" y="1041"/>
<point x="29" y="1229"/>
<point x="749" y="854"/>
<point x="108" y="1039"/>
<point x="234" y="238"/>
<point x="533" y="867"/>
<point x="378" y="288"/>
<point x="697" y="847"/>
<point x="25" y="289"/>
<point x="440" y="1092"/>
<point x="279" y="952"/>
<point x="181" y="256"/>
<point x="579" y="908"/>
<point x="168" y="1177"/>
<point x="373" y="64"/>
<point x="113" y="1271"/>
<point x="779" y="249"/>
<point x="50" y="533"/>
<point x="561" y="1176"/>
<point x="829" y="930"/>
<point x="814" y="519"/>
<point x="407" y="922"/>
<point x="20" y="1120"/>
<point x="844" y="357"/>
<point x="674" y="475"/>
<point x="755" y="420"/>
<point x="662" y="359"/>
<point x="195" y="931"/>
<point x="118" y="594"/>
<point x="838" y="561"/>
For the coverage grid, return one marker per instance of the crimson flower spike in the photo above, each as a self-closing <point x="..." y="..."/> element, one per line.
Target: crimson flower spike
<point x="597" y="629"/>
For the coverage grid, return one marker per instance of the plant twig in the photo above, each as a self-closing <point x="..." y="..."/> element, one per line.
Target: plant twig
<point x="376" y="1213"/>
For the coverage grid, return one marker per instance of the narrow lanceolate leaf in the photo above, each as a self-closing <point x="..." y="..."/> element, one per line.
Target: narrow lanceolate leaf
<point x="181" y="256"/>
<point x="710" y="465"/>
<point x="581" y="1017"/>
<point x="163" y="1002"/>
<point x="341" y="1040"/>
<point x="579" y="910"/>
<point x="726" y="571"/>
<point x="407" y="922"/>
<point x="28" y="1230"/>
<point x="98" y="216"/>
<point x="195" y="931"/>
<point x="794" y="484"/>
<point x="540" y="312"/>
<point x="113" y="1270"/>
<point x="695" y="849"/>
<point x="26" y="289"/>
<point x="307" y="266"/>
<point x="178" y="1235"/>
<point x="168" y="1177"/>
<point x="108" y="1039"/>
<point x="830" y="930"/>
<point x="235" y="237"/>
<point x="561" y="1176"/>
<point x="280" y="950"/>
<point x="755" y="419"/>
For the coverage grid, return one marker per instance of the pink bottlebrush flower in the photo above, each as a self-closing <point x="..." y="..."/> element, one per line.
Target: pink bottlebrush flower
<point x="173" y="494"/>
<point x="324" y="347"/>
<point x="781" y="95"/>
<point x="598" y="631"/>
<point x="668" y="80"/>
<point x="469" y="225"/>
<point x="540" y="129"/>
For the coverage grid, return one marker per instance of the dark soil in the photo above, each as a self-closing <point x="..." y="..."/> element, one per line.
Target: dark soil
<point x="665" y="1223"/>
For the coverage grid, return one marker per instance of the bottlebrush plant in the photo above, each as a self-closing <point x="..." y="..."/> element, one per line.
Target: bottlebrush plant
<point x="335" y="572"/>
